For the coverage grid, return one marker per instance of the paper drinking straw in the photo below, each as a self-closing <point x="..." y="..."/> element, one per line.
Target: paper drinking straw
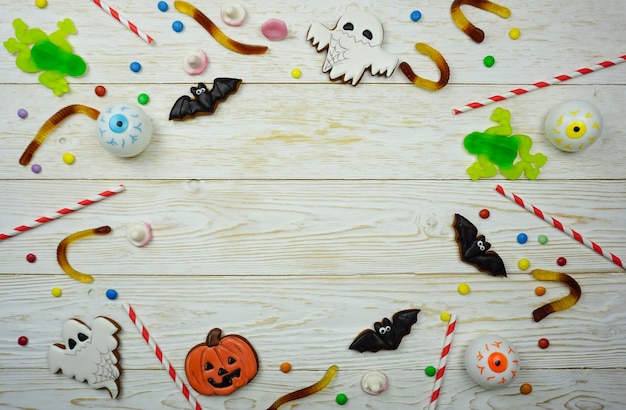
<point x="159" y="354"/>
<point x="557" y="224"/>
<point x="447" y="342"/>
<point x="61" y="212"/>
<point x="124" y="21"/>
<point x="539" y="85"/>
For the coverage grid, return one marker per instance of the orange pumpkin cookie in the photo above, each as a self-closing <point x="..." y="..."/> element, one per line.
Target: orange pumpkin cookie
<point x="221" y="365"/>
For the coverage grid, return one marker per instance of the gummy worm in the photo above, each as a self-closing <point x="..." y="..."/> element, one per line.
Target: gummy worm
<point x="561" y="304"/>
<point x="307" y="391"/>
<point x="62" y="252"/>
<point x="215" y="32"/>
<point x="51" y="124"/>
<point x="464" y="24"/>
<point x="434" y="55"/>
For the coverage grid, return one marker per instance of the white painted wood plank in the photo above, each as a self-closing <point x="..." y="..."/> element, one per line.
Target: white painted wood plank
<point x="549" y="45"/>
<point x="310" y="322"/>
<point x="561" y="389"/>
<point x="307" y="227"/>
<point x="558" y="389"/>
<point x="307" y="132"/>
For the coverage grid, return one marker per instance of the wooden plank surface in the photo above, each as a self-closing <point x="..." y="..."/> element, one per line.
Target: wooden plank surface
<point x="303" y="210"/>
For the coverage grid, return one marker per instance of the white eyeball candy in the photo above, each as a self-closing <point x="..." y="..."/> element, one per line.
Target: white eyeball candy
<point x="491" y="361"/>
<point x="573" y="125"/>
<point x="124" y="130"/>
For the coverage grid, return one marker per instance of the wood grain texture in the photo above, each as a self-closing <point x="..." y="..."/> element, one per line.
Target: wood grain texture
<point x="303" y="210"/>
<point x="416" y="138"/>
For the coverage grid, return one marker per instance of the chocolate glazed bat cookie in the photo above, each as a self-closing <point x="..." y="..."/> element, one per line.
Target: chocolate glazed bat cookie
<point x="387" y="334"/>
<point x="204" y="101"/>
<point x="474" y="249"/>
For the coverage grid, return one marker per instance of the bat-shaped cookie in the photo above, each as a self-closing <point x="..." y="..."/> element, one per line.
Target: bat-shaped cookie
<point x="204" y="101"/>
<point x="386" y="334"/>
<point x="474" y="249"/>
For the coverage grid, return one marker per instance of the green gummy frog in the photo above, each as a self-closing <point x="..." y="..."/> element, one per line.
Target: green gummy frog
<point x="496" y="149"/>
<point x="52" y="54"/>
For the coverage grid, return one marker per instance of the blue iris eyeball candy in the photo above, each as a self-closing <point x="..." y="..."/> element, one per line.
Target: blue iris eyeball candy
<point x="573" y="125"/>
<point x="124" y="130"/>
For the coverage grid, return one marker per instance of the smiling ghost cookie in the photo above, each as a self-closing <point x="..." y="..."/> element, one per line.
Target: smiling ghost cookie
<point x="353" y="46"/>
<point x="89" y="354"/>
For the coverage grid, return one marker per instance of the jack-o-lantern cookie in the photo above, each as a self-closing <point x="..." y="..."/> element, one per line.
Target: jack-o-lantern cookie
<point x="221" y="365"/>
<point x="89" y="355"/>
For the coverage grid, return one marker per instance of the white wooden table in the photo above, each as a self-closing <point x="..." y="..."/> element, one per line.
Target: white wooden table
<point x="304" y="210"/>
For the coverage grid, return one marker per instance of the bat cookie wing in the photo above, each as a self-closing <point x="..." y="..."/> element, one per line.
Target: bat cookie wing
<point x="224" y="87"/>
<point x="182" y="107"/>
<point x="402" y="322"/>
<point x="368" y="340"/>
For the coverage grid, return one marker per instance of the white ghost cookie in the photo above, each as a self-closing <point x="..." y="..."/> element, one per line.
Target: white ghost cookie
<point x="353" y="46"/>
<point x="89" y="354"/>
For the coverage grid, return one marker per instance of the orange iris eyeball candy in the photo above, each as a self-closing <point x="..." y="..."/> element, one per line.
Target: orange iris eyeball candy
<point x="492" y="361"/>
<point x="221" y="365"/>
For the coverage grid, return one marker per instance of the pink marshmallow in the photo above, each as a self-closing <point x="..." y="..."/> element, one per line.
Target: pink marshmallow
<point x="274" y="29"/>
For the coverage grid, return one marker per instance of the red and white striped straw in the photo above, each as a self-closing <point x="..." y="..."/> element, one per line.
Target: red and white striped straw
<point x="557" y="224"/>
<point x="124" y="21"/>
<point x="539" y="85"/>
<point x="159" y="354"/>
<point x="447" y="342"/>
<point x="61" y="212"/>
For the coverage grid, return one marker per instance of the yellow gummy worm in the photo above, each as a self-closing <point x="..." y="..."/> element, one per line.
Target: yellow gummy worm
<point x="51" y="124"/>
<point x="561" y="304"/>
<point x="215" y="32"/>
<point x="434" y="55"/>
<point x="62" y="252"/>
<point x="468" y="28"/>
<point x="307" y="391"/>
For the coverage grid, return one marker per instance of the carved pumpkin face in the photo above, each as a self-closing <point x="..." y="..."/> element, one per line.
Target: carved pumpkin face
<point x="221" y="365"/>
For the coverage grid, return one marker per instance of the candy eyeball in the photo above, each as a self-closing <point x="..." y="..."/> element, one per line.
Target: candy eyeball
<point x="124" y="130"/>
<point x="573" y="125"/>
<point x="491" y="361"/>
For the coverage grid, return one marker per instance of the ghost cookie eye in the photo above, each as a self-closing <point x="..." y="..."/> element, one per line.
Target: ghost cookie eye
<point x="368" y="34"/>
<point x="348" y="26"/>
